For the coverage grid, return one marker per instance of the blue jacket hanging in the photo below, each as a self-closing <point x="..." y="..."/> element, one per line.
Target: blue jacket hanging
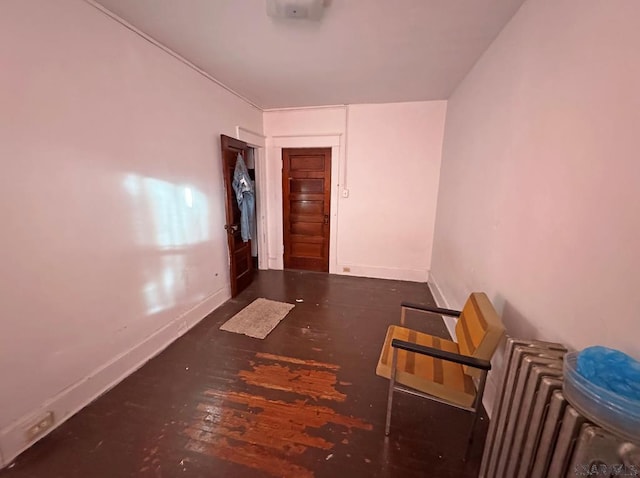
<point x="243" y="187"/>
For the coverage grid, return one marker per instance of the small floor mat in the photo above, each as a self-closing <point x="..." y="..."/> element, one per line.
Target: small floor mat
<point x="258" y="318"/>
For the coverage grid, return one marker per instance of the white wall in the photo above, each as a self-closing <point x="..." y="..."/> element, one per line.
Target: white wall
<point x="539" y="190"/>
<point x="389" y="161"/>
<point x="393" y="168"/>
<point x="105" y="259"/>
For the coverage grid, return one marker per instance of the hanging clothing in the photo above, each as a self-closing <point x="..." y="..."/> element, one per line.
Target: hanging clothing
<point x="243" y="187"/>
<point x="253" y="226"/>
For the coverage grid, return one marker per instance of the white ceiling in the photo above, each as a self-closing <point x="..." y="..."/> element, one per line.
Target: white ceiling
<point x="362" y="51"/>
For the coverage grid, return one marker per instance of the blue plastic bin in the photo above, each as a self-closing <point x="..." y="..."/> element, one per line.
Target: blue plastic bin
<point x="611" y="411"/>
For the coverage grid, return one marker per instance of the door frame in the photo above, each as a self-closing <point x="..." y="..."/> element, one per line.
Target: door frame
<point x="277" y="144"/>
<point x="258" y="143"/>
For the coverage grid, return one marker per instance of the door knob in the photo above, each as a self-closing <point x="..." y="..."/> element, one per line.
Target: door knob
<point x="326" y="219"/>
<point x="231" y="228"/>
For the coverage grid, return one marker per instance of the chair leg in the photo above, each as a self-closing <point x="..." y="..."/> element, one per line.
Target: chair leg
<point x="470" y="437"/>
<point x="477" y="404"/>
<point x="392" y="383"/>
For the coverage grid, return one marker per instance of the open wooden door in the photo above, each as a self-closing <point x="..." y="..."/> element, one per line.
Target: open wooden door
<point x="240" y="261"/>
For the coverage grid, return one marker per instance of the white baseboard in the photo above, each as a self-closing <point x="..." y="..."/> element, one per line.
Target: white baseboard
<point x="71" y="400"/>
<point x="275" y="264"/>
<point x="441" y="301"/>
<point x="412" y="275"/>
<point x="374" y="272"/>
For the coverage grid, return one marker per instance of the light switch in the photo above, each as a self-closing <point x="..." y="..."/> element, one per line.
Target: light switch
<point x="345" y="193"/>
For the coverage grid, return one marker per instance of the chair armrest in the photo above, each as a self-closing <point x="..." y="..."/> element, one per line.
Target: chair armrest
<point x="442" y="354"/>
<point x="430" y="308"/>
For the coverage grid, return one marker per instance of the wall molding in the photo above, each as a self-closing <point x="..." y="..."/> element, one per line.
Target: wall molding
<point x="75" y="397"/>
<point x="376" y="272"/>
<point x="297" y="108"/>
<point x="441" y="301"/>
<point x="274" y="263"/>
<point x="307" y="141"/>
<point x="250" y="137"/>
<point x="168" y="50"/>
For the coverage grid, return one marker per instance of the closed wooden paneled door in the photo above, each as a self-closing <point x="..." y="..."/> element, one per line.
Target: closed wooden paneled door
<point x="306" y="193"/>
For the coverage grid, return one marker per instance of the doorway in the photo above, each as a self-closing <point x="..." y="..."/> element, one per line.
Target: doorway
<point x="253" y="221"/>
<point x="306" y="208"/>
<point x="241" y="269"/>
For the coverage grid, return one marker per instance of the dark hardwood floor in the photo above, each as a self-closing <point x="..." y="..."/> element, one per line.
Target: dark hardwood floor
<point x="303" y="402"/>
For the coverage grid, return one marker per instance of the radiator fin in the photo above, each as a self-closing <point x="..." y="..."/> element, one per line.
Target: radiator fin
<point x="535" y="433"/>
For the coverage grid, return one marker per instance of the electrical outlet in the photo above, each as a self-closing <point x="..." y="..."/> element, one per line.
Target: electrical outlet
<point x="43" y="424"/>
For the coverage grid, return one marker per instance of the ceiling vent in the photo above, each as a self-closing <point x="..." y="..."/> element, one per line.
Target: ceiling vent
<point x="297" y="9"/>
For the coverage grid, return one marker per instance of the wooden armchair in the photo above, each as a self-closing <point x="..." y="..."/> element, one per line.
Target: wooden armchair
<point x="440" y="369"/>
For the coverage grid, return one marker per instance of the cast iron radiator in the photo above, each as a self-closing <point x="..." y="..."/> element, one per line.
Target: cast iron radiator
<point x="535" y="433"/>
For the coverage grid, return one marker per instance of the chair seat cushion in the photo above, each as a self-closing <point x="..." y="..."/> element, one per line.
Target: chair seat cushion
<point x="440" y="378"/>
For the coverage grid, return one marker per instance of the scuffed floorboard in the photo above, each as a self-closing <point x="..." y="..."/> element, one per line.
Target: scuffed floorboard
<point x="304" y="402"/>
<point x="263" y="433"/>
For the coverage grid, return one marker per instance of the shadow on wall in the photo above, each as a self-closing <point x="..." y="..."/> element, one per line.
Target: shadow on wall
<point x="514" y="321"/>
